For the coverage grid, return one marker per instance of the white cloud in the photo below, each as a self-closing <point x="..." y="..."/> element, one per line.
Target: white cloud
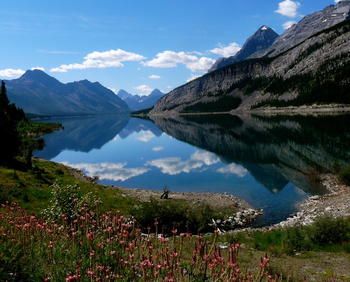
<point x="145" y="136"/>
<point x="174" y="165"/>
<point x="288" y="8"/>
<point x="143" y="89"/>
<point x="106" y="59"/>
<point x="171" y="59"/>
<point x="226" y="51"/>
<point x="38" y="68"/>
<point x="288" y="24"/>
<point x="109" y="171"/>
<point x="235" y="169"/>
<point x="157" y="149"/>
<point x="11" y="73"/>
<point x="154" y="76"/>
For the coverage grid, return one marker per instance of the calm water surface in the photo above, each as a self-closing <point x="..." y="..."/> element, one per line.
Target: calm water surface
<point x="272" y="163"/>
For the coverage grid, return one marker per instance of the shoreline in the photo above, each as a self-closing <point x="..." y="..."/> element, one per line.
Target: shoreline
<point x="315" y="109"/>
<point x="331" y="109"/>
<point x="238" y="213"/>
<point x="214" y="200"/>
<point x="335" y="203"/>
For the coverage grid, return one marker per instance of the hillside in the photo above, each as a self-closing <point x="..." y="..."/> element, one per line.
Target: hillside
<point x="38" y="93"/>
<point x="311" y="66"/>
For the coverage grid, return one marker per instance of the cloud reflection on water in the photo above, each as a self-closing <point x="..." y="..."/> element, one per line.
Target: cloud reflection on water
<point x="109" y="171"/>
<point x="175" y="165"/>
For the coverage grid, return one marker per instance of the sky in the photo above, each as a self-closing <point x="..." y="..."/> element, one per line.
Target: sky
<point x="136" y="45"/>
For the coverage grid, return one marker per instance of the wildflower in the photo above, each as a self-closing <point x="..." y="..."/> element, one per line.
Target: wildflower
<point x="264" y="261"/>
<point x="50" y="245"/>
<point x="90" y="272"/>
<point x="174" y="231"/>
<point x="90" y="236"/>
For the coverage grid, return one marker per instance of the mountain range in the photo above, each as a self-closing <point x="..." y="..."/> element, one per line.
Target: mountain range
<point x="137" y="102"/>
<point x="262" y="39"/>
<point x="38" y="93"/>
<point x="308" y="64"/>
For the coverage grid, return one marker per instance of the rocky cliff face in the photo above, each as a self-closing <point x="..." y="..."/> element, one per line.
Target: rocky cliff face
<point x="308" y="64"/>
<point x="260" y="41"/>
<point x="308" y="26"/>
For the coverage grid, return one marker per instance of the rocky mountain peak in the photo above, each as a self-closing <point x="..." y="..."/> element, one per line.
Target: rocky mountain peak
<point x="262" y="39"/>
<point x="310" y="25"/>
<point x="124" y="94"/>
<point x="156" y="92"/>
<point x="39" y="77"/>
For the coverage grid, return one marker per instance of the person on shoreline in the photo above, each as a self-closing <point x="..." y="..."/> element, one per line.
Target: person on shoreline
<point x="165" y="194"/>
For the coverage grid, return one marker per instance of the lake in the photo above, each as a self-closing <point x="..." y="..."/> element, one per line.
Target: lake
<point x="271" y="162"/>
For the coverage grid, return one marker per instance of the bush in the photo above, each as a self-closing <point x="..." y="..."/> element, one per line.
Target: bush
<point x="345" y="175"/>
<point x="325" y="234"/>
<point x="173" y="214"/>
<point x="69" y="202"/>
<point x="327" y="231"/>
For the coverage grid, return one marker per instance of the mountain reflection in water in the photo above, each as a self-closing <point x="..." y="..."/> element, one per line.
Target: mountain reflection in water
<point x="272" y="162"/>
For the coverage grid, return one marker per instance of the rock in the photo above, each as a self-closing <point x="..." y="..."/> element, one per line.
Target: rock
<point x="223" y="245"/>
<point x="327" y="209"/>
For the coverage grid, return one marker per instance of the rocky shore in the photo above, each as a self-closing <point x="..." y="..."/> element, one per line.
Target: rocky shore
<point x="331" y="109"/>
<point x="336" y="203"/>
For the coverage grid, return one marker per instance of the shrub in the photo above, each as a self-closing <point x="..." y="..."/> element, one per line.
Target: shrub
<point x="174" y="213"/>
<point x="328" y="231"/>
<point x="325" y="234"/>
<point x="68" y="201"/>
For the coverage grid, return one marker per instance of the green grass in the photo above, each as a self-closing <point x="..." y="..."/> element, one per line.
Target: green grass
<point x="179" y="214"/>
<point x="326" y="234"/>
<point x="32" y="188"/>
<point x="37" y="128"/>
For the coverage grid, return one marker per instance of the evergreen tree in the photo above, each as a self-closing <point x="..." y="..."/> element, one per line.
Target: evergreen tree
<point x="4" y="101"/>
<point x="9" y="118"/>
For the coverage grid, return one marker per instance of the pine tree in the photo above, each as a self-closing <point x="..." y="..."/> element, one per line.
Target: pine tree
<point x="10" y="139"/>
<point x="4" y="101"/>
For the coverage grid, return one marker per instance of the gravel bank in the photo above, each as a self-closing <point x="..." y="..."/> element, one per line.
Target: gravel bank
<point x="336" y="203"/>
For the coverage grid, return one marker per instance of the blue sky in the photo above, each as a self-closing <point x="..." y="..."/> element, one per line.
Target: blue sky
<point x="132" y="44"/>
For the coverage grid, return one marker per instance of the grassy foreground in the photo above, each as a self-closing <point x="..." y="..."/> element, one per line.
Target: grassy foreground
<point x="91" y="244"/>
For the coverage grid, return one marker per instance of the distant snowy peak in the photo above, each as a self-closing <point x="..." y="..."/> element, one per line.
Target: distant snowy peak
<point x="136" y="102"/>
